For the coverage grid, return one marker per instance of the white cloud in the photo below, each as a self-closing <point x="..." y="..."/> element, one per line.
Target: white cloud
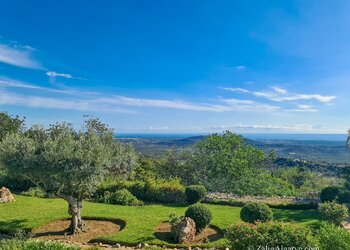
<point x="282" y="95"/>
<point x="237" y="104"/>
<point x="241" y="67"/>
<point x="304" y="108"/>
<point x="64" y="99"/>
<point x="9" y="98"/>
<point x="158" y="103"/>
<point x="18" y="56"/>
<point x="54" y="74"/>
<point x="159" y="128"/>
<point x="17" y="84"/>
<point x="280" y="90"/>
<point x="247" y="127"/>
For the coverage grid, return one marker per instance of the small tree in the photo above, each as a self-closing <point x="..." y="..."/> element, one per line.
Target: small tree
<point x="63" y="162"/>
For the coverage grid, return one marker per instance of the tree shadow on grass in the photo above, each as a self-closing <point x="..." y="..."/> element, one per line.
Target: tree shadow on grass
<point x="296" y="215"/>
<point x="177" y="205"/>
<point x="11" y="226"/>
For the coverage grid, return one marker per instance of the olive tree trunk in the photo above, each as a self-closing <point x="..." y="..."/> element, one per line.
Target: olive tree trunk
<point x="74" y="210"/>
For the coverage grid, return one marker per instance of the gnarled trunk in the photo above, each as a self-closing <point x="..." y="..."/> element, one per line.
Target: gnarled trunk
<point x="74" y="210"/>
<point x="77" y="224"/>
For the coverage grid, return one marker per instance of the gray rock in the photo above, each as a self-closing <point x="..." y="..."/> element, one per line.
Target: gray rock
<point x="6" y="195"/>
<point x="184" y="231"/>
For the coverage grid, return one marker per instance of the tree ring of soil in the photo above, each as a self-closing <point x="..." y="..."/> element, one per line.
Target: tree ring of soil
<point x="57" y="230"/>
<point x="210" y="234"/>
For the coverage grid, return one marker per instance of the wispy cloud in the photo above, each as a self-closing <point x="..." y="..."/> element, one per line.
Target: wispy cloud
<point x="65" y="99"/>
<point x="158" y="103"/>
<point x="4" y="82"/>
<point x="18" y="56"/>
<point x="93" y="101"/>
<point x="10" y="98"/>
<point x="53" y="74"/>
<point x="237" y="104"/>
<point x="266" y="127"/>
<point x="241" y="68"/>
<point x="278" y="94"/>
<point x="304" y="108"/>
<point x="159" y="128"/>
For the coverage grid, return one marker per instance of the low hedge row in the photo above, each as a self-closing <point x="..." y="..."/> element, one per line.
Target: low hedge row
<point x="282" y="235"/>
<point x="161" y="191"/>
<point x="290" y="206"/>
<point x="271" y="234"/>
<point x="34" y="245"/>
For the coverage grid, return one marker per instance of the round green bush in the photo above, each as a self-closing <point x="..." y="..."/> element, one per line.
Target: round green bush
<point x="200" y="214"/>
<point x="329" y="194"/>
<point x="121" y="197"/>
<point x="195" y="193"/>
<point x="333" y="212"/>
<point x="253" y="212"/>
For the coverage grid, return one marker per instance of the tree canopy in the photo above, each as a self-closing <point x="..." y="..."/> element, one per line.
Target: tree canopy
<point x="67" y="163"/>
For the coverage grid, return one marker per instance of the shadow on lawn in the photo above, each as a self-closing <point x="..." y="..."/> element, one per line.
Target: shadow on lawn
<point x="12" y="225"/>
<point x="296" y="215"/>
<point x="177" y="205"/>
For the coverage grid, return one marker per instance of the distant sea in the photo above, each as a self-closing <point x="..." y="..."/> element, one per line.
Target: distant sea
<point x="252" y="136"/>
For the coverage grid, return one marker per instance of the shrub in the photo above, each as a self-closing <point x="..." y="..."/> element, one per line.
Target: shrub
<point x="166" y="192"/>
<point x="333" y="212"/>
<point x="174" y="219"/>
<point x="195" y="193"/>
<point x="121" y="197"/>
<point x="31" y="245"/>
<point x="200" y="214"/>
<point x="125" y="197"/>
<point x="138" y="189"/>
<point x="329" y="194"/>
<point x="272" y="234"/>
<point x="160" y="191"/>
<point x="253" y="212"/>
<point x="344" y="197"/>
<point x="34" y="192"/>
<point x="332" y="237"/>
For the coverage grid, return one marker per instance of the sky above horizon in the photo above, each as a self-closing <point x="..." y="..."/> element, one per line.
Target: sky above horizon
<point x="178" y="66"/>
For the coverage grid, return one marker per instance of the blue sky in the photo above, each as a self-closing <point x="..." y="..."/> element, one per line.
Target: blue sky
<point x="179" y="66"/>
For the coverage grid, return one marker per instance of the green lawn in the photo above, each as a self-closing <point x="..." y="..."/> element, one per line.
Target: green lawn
<point x="29" y="212"/>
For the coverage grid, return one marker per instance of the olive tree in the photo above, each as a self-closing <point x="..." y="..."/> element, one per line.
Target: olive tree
<point x="10" y="124"/>
<point x="66" y="163"/>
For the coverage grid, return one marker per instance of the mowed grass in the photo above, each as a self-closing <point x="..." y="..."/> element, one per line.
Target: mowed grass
<point x="30" y="212"/>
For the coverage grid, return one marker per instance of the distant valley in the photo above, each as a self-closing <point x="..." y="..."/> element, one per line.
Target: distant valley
<point x="330" y="151"/>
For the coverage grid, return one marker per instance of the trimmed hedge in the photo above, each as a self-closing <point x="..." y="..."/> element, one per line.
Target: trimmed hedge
<point x="271" y="234"/>
<point x="161" y="191"/>
<point x="165" y="192"/>
<point x="253" y="212"/>
<point x="195" y="193"/>
<point x="200" y="214"/>
<point x="235" y="203"/>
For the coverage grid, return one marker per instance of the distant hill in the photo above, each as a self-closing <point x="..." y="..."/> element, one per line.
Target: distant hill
<point x="313" y="150"/>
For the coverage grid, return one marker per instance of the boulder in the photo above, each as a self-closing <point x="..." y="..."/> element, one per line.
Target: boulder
<point x="184" y="231"/>
<point x="5" y="195"/>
